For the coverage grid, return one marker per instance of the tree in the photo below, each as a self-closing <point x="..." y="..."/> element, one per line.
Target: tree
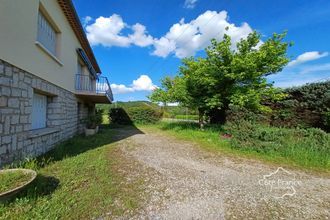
<point x="231" y="76"/>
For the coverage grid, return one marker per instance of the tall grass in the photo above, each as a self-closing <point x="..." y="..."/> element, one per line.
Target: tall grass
<point x="306" y="148"/>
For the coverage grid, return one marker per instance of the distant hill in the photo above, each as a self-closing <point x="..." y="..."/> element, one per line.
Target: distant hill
<point x="169" y="111"/>
<point x="127" y="105"/>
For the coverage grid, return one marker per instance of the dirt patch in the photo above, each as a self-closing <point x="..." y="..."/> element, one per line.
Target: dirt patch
<point x="181" y="181"/>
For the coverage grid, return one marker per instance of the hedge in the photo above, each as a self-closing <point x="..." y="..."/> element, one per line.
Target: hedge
<point x="139" y="115"/>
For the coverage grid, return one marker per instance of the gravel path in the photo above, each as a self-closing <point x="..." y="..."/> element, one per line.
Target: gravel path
<point x="186" y="182"/>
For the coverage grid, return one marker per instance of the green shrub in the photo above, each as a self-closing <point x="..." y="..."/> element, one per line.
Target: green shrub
<point x="139" y="115"/>
<point x="305" y="106"/>
<point x="302" y="144"/>
<point x="326" y="119"/>
<point x="236" y="113"/>
<point x="144" y="114"/>
<point x="119" y="116"/>
<point x="93" y="120"/>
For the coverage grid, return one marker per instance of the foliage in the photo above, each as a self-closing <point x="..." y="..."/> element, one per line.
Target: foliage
<point x="228" y="76"/>
<point x="119" y="104"/>
<point x="93" y="120"/>
<point x="306" y="145"/>
<point x="307" y="148"/>
<point x="236" y="113"/>
<point x="119" y="116"/>
<point x="144" y="115"/>
<point x="326" y="119"/>
<point x="305" y="106"/>
<point x="140" y="114"/>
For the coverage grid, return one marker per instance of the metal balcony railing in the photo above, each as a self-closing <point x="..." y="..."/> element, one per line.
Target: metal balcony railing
<point x="84" y="83"/>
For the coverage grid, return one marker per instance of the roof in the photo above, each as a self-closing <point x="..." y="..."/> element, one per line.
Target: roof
<point x="72" y="16"/>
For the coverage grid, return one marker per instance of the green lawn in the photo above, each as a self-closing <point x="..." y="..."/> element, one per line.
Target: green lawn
<point x="80" y="179"/>
<point x="280" y="146"/>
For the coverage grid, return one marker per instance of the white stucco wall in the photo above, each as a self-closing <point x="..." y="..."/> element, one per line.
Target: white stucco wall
<point x="18" y="34"/>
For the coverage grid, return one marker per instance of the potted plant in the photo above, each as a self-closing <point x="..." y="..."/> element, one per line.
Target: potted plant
<point x="92" y="123"/>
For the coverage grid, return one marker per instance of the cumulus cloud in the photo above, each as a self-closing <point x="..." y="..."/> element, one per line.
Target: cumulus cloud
<point x="139" y="37"/>
<point x="143" y="83"/>
<point x="190" y="4"/>
<point x="183" y="38"/>
<point x="120" y="89"/>
<point x="107" y="31"/>
<point x="308" y="56"/>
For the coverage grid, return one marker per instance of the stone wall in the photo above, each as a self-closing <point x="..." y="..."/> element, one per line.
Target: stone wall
<point x="17" y="140"/>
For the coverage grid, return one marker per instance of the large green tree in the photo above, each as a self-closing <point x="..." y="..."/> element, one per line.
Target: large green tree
<point x="229" y="76"/>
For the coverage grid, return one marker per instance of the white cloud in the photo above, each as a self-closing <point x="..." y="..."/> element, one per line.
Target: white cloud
<point x="190" y="4"/>
<point x="301" y="74"/>
<point x="316" y="68"/>
<point x="107" y="31"/>
<point x="120" y="89"/>
<point x="86" y="20"/>
<point x="307" y="56"/>
<point x="143" y="83"/>
<point x="139" y="37"/>
<point x="183" y="38"/>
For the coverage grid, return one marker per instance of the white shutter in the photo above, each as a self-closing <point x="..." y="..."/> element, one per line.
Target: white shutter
<point x="46" y="34"/>
<point x="39" y="110"/>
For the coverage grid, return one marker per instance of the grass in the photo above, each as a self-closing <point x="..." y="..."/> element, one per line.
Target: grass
<point x="285" y="147"/>
<point x="11" y="180"/>
<point x="187" y="117"/>
<point x="80" y="179"/>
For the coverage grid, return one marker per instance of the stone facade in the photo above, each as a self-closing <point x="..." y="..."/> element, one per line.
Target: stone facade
<point x="64" y="114"/>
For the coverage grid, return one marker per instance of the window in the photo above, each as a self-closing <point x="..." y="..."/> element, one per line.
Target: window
<point x="47" y="35"/>
<point x="39" y="109"/>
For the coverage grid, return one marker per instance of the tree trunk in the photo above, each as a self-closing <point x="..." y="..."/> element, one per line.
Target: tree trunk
<point x="218" y="116"/>
<point x="201" y="119"/>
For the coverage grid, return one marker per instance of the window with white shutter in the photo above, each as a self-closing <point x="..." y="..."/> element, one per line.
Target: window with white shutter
<point x="39" y="111"/>
<point x="47" y="35"/>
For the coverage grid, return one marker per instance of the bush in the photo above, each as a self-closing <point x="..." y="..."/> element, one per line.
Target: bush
<point x="326" y="119"/>
<point x="119" y="116"/>
<point x="236" y="113"/>
<point x="304" y="144"/>
<point x="305" y="106"/>
<point x="139" y="115"/>
<point x="93" y="120"/>
<point x="144" y="114"/>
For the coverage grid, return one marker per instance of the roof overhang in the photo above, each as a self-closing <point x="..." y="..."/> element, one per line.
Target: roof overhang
<point x="74" y="21"/>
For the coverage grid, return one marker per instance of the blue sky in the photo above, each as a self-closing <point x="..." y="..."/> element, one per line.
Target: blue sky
<point x="138" y="42"/>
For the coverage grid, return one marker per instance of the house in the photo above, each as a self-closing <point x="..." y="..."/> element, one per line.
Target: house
<point x="49" y="77"/>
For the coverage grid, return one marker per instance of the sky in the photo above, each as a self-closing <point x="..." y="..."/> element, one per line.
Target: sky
<point x="136" y="43"/>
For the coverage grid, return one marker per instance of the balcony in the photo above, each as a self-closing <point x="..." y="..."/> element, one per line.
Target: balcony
<point x="93" y="90"/>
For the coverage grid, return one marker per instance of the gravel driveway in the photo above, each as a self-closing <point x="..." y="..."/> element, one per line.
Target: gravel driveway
<point x="187" y="182"/>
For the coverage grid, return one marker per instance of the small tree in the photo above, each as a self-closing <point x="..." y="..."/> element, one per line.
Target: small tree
<point x="228" y="76"/>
